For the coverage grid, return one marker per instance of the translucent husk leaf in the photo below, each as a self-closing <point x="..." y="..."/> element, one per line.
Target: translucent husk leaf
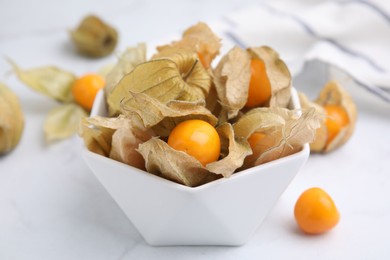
<point x="105" y="70"/>
<point x="234" y="151"/>
<point x="212" y="103"/>
<point x="334" y="94"/>
<point x="97" y="132"/>
<point x="126" y="63"/>
<point x="289" y="132"/>
<point x="278" y="75"/>
<point x="319" y="141"/>
<point x="198" y="39"/>
<point x="257" y="120"/>
<point x="11" y="120"/>
<point x="117" y="138"/>
<point x="164" y="80"/>
<point x="125" y="142"/>
<point x="50" y="81"/>
<point x="231" y="78"/>
<point x="164" y="117"/>
<point x="189" y="65"/>
<point x="94" y="38"/>
<point x="63" y="121"/>
<point x="162" y="160"/>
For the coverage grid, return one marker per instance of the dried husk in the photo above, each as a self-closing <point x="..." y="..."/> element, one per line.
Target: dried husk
<point x="286" y="131"/>
<point x="319" y="142"/>
<point x="212" y="103"/>
<point x="164" y="80"/>
<point x="50" y="81"/>
<point x="334" y="94"/>
<point x="11" y="120"/>
<point x="97" y="132"/>
<point x="278" y="75"/>
<point x="257" y="120"/>
<point x="117" y="138"/>
<point x="94" y="38"/>
<point x="105" y="70"/>
<point x="63" y="121"/>
<point x="126" y="63"/>
<point x="198" y="39"/>
<point x="231" y="78"/>
<point x="125" y="142"/>
<point x="189" y="65"/>
<point x="234" y="150"/>
<point x="161" y="117"/>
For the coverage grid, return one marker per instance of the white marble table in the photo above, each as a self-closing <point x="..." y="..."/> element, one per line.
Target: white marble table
<point x="52" y="206"/>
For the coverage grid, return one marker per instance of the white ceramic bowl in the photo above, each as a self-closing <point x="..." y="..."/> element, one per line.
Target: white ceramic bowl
<point x="222" y="212"/>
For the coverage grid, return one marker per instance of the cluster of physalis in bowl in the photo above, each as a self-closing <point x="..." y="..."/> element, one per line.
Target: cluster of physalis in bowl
<point x="244" y="101"/>
<point x="197" y="154"/>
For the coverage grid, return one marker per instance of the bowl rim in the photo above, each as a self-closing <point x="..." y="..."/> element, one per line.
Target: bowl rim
<point x="304" y="152"/>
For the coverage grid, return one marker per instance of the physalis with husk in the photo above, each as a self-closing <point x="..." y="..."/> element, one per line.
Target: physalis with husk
<point x="11" y="120"/>
<point x="75" y="95"/>
<point x="177" y="101"/>
<point x="94" y="38"/>
<point x="199" y="39"/>
<point x="339" y="122"/>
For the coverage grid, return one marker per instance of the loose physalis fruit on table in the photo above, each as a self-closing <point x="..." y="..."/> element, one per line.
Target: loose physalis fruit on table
<point x="11" y="120"/>
<point x="197" y="138"/>
<point x="315" y="212"/>
<point x="199" y="126"/>
<point x="85" y="88"/>
<point x="340" y="115"/>
<point x="94" y="38"/>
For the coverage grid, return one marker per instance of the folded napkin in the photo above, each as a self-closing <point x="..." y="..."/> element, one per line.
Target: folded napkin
<point x="348" y="36"/>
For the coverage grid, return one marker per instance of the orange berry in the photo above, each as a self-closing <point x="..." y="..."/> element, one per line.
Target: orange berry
<point x="85" y="88"/>
<point x="255" y="138"/>
<point x="337" y="118"/>
<point x="259" y="86"/>
<point x="205" y="59"/>
<point x="198" y="139"/>
<point x="315" y="211"/>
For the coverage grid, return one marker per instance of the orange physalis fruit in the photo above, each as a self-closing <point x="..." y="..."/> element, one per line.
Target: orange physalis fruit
<point x="254" y="139"/>
<point x="205" y="59"/>
<point x="85" y="88"/>
<point x="315" y="211"/>
<point x="259" y="86"/>
<point x="337" y="118"/>
<point x="198" y="139"/>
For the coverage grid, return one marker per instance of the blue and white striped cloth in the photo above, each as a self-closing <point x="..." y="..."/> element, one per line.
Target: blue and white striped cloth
<point x="351" y="36"/>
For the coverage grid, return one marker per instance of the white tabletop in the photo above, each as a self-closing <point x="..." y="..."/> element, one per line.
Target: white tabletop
<point x="52" y="206"/>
